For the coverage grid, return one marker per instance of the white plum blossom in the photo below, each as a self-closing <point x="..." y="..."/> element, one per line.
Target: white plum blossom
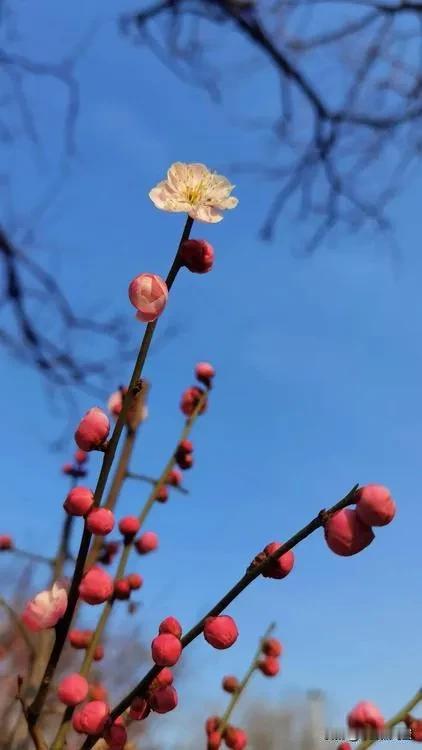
<point x="195" y="190"/>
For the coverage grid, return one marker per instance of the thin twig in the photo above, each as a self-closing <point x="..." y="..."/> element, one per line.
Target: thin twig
<point x="152" y="480"/>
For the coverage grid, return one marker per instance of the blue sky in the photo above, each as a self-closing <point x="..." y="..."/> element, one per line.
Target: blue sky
<point x="318" y="386"/>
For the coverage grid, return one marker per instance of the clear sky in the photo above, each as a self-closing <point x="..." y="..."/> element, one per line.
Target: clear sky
<point x="319" y="373"/>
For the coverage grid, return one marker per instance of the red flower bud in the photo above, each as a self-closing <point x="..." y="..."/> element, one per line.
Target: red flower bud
<point x="78" y="501"/>
<point x="122" y="589"/>
<point x="270" y="666"/>
<point x="6" y="542"/>
<point x="415" y="728"/>
<point x="91" y="718"/>
<point x="147" y="542"/>
<point x="212" y="724"/>
<point x="139" y="709"/>
<point x="164" y="700"/>
<point x="344" y="746"/>
<point x="205" y="373"/>
<point x="96" y="586"/>
<point x="72" y="690"/>
<point x="214" y="741"/>
<point x="236" y="739"/>
<point x="184" y="460"/>
<point x="98" y="653"/>
<point x="374" y="505"/>
<point x="80" y="638"/>
<point x="190" y="400"/>
<point x="162" y="680"/>
<point x="68" y="469"/>
<point x="171" y="625"/>
<point x="345" y="534"/>
<point x="162" y="494"/>
<point x="197" y="255"/>
<point x="81" y="457"/>
<point x="166" y="650"/>
<point x="116" y="736"/>
<point x="100" y="521"/>
<point x="230" y="684"/>
<point x="280" y="567"/>
<point x="174" y="478"/>
<point x="129" y="526"/>
<point x="135" y="581"/>
<point x="93" y="429"/>
<point x="220" y="632"/>
<point x="272" y="647"/>
<point x="185" y="446"/>
<point x="365" y="715"/>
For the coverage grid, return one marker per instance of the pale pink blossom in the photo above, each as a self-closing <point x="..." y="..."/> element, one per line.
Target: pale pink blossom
<point x="195" y="190"/>
<point x="46" y="608"/>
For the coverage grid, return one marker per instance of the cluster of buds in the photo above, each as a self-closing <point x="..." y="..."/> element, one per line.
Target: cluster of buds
<point x="94" y="718"/>
<point x="81" y="640"/>
<point x="161" y="697"/>
<point x="77" y="469"/>
<point x="183" y="455"/>
<point x="269" y="664"/>
<point x="233" y="737"/>
<point x="278" y="568"/>
<point x="166" y="648"/>
<point x="349" y="531"/>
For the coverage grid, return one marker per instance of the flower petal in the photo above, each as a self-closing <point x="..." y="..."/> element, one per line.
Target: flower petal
<point x="208" y="214"/>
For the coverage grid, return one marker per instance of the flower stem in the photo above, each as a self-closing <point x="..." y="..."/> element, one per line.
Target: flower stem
<point x="63" y="625"/>
<point x="152" y="480"/>
<point x="396" y="719"/>
<point x="243" y="684"/>
<point x="252" y="573"/>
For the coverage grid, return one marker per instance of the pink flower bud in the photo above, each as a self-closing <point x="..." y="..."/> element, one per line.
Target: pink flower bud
<point x="96" y="586"/>
<point x="204" y="373"/>
<point x="81" y="457"/>
<point x="197" y="255"/>
<point x="129" y="526"/>
<point x="45" y="609"/>
<point x="172" y="626"/>
<point x="68" y="469"/>
<point x="80" y="638"/>
<point x="164" y="700"/>
<point x="139" y="709"/>
<point x="97" y="692"/>
<point x="98" y="653"/>
<point x="185" y="446"/>
<point x="190" y="400"/>
<point x="162" y="680"/>
<point x="73" y="689"/>
<point x="230" y="684"/>
<point x="270" y="666"/>
<point x="345" y="534"/>
<point x="279" y="568"/>
<point x="235" y="739"/>
<point x="272" y="647"/>
<point x="147" y="542"/>
<point x="100" y="521"/>
<point x="220" y="632"/>
<point x="374" y="505"/>
<point x="115" y="402"/>
<point x="135" y="581"/>
<point x="214" y="741"/>
<point x="365" y="715"/>
<point x="148" y="293"/>
<point x="115" y="736"/>
<point x="93" y="429"/>
<point x="212" y="724"/>
<point x="174" y="478"/>
<point x="91" y="718"/>
<point x="415" y="728"/>
<point x="344" y="746"/>
<point x="78" y="501"/>
<point x="6" y="542"/>
<point x="162" y="494"/>
<point x="166" y="650"/>
<point x="122" y="589"/>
